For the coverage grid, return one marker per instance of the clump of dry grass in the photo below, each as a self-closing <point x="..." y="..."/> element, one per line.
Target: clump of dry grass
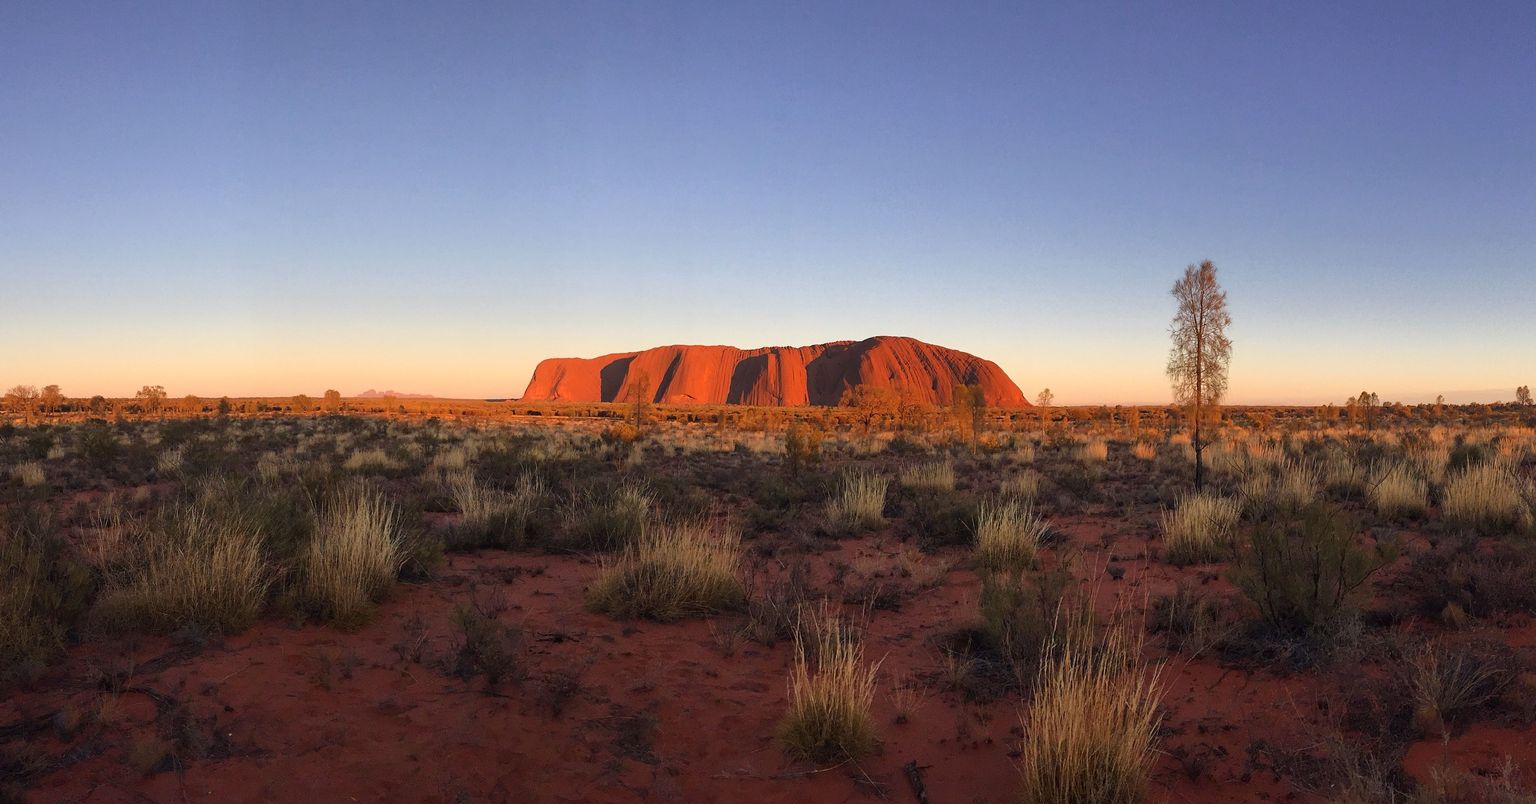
<point x="607" y="521"/>
<point x="829" y="717"/>
<point x="1488" y="497"/>
<point x="363" y="459"/>
<point x="500" y="517"/>
<point x="1340" y="473"/>
<point x="1144" y="451"/>
<point x="939" y="475"/>
<point x="44" y="588"/>
<point x="193" y="567"/>
<point x="673" y="571"/>
<point x="1093" y="450"/>
<point x="1201" y="528"/>
<point x="1008" y="535"/>
<point x="353" y="559"/>
<point x="1293" y="487"/>
<point x="1398" y="492"/>
<point x="170" y="462"/>
<point x="859" y="501"/>
<point x="1025" y="486"/>
<point x="29" y="474"/>
<point x="1091" y="732"/>
<point x="1448" y="684"/>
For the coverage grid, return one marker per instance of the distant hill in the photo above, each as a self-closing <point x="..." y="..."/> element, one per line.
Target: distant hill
<point x="773" y="375"/>
<point x="372" y="394"/>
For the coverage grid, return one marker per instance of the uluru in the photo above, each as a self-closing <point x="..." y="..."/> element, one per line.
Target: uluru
<point x="774" y="375"/>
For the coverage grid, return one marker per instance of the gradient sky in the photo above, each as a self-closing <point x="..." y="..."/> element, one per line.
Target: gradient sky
<point x="274" y="198"/>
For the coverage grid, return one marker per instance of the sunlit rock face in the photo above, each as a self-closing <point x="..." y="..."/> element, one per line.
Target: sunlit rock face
<point x="773" y="375"/>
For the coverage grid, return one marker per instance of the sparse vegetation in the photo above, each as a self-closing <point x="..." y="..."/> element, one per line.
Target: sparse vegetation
<point x="354" y="557"/>
<point x="1202" y="528"/>
<point x="193" y="567"/>
<point x="859" y="502"/>
<point x="673" y="571"/>
<point x="1008" y="535"/>
<point x="1091" y="730"/>
<point x="831" y="691"/>
<point x="1301" y="569"/>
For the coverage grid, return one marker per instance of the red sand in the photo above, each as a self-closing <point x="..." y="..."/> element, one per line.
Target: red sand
<point x="659" y="713"/>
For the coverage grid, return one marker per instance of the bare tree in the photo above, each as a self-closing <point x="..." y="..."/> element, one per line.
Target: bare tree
<point x="1523" y="395"/>
<point x="1201" y="352"/>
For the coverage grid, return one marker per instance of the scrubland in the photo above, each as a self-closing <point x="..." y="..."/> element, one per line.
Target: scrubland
<point x="761" y="605"/>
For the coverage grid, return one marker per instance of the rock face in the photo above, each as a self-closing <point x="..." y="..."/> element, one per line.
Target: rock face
<point x="774" y="375"/>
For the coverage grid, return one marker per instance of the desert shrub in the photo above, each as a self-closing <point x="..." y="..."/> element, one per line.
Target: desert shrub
<point x="858" y="503"/>
<point x="1398" y="492"/>
<point x="487" y="646"/>
<point x="938" y="475"/>
<point x="1300" y="569"/>
<point x="1190" y="620"/>
<point x="1449" y="684"/>
<point x="673" y="571"/>
<point x="1144" y="451"/>
<point x="1008" y="535"/>
<point x="1018" y="612"/>
<point x="1487" y="497"/>
<point x="1078" y="480"/>
<point x="1202" y="528"/>
<point x="1461" y="578"/>
<point x="98" y="446"/>
<point x="774" y="614"/>
<point x="354" y="557"/>
<point x="1091" y="732"/>
<point x="45" y="590"/>
<point x="802" y="447"/>
<point x="608" y="520"/>
<point x="830" y="695"/>
<point x="193" y="567"/>
<point x="937" y="518"/>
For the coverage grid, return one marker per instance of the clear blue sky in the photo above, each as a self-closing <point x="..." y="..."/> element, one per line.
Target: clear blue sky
<point x="279" y="198"/>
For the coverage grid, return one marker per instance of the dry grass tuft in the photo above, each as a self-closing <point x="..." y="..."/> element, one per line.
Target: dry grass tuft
<point x="859" y="502"/>
<point x="939" y="476"/>
<point x="1024" y="487"/>
<point x="673" y="571"/>
<point x="354" y="557"/>
<point x="1094" y="450"/>
<point x="29" y="474"/>
<point x="829" y="716"/>
<point x="1008" y="535"/>
<point x="1090" y="735"/>
<point x="1487" y="497"/>
<point x="192" y="568"/>
<point x="1202" y="528"/>
<point x="1398" y="492"/>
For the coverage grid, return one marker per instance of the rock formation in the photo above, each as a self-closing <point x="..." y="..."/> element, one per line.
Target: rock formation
<point x="774" y="375"/>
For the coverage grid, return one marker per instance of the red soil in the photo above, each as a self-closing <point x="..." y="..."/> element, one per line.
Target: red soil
<point x="807" y="375"/>
<point x="659" y="711"/>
